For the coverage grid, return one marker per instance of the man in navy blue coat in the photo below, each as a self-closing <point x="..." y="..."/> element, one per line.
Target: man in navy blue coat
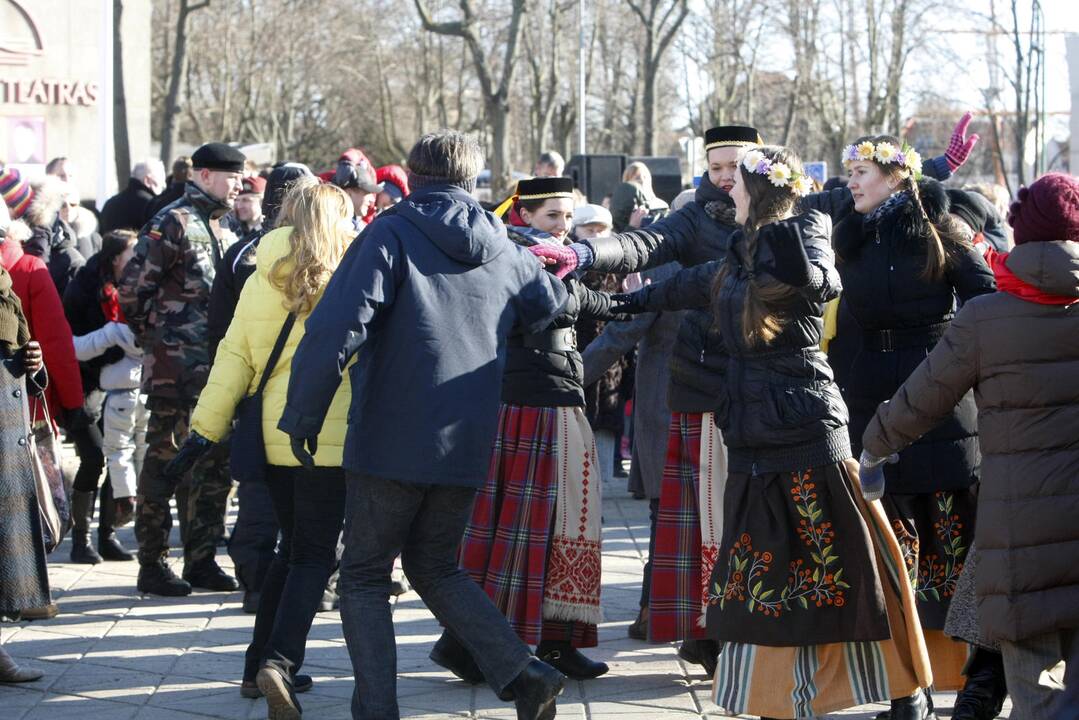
<point x="424" y="300"/>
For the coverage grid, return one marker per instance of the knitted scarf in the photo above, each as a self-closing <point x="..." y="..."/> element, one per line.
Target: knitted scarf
<point x="13" y="330"/>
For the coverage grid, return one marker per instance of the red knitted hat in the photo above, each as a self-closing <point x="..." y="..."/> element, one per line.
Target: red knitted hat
<point x="1047" y="210"/>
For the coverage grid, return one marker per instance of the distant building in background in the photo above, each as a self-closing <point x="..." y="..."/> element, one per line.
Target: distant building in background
<point x="52" y="89"/>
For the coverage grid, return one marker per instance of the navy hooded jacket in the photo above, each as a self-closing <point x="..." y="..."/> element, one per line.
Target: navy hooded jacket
<point x="425" y="299"/>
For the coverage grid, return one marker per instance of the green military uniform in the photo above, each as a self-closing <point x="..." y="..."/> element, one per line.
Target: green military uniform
<point x="164" y="293"/>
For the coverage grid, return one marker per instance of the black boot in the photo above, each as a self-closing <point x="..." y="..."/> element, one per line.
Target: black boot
<point x="918" y="706"/>
<point x="569" y="661"/>
<point x="82" y="512"/>
<point x="208" y="575"/>
<point x="535" y="690"/>
<point x="638" y="629"/>
<point x="275" y="682"/>
<point x="982" y="697"/>
<point x="449" y="653"/>
<point x="108" y="545"/>
<point x="701" y="652"/>
<point x="159" y="579"/>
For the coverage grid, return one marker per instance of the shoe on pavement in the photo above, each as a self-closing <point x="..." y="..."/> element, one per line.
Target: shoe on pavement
<point x="208" y="575"/>
<point x="110" y="548"/>
<point x="983" y="694"/>
<point x="159" y="579"/>
<point x="638" y="629"/>
<point x="45" y="612"/>
<point x="449" y="653"/>
<point x="535" y="691"/>
<point x="569" y="661"/>
<point x="275" y="682"/>
<point x="918" y="706"/>
<point x="300" y="684"/>
<point x="701" y="652"/>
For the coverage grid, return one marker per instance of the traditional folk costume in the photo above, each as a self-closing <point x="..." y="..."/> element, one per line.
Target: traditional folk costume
<point x="900" y="314"/>
<point x="684" y="550"/>
<point x="533" y="542"/>
<point x="808" y="598"/>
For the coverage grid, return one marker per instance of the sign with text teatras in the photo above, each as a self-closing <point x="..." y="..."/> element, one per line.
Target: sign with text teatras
<point x="45" y="91"/>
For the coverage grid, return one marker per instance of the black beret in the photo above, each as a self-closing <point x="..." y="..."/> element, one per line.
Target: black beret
<point x="218" y="156"/>
<point x="545" y="187"/>
<point x="731" y="136"/>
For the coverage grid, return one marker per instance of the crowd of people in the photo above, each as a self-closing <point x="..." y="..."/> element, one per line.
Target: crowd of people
<point x="852" y="411"/>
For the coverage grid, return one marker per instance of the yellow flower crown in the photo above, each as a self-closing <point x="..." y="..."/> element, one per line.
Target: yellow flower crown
<point x="885" y="153"/>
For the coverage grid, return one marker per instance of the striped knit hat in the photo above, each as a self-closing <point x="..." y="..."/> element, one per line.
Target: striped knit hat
<point x="16" y="192"/>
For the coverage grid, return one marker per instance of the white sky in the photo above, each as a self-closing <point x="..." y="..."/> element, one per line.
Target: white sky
<point x="1060" y="16"/>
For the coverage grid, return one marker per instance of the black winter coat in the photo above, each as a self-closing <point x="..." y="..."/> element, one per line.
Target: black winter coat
<point x="779" y="407"/>
<point x="235" y="268"/>
<point x="698" y="233"/>
<point x="171" y="194"/>
<point x="57" y="246"/>
<point x="901" y="315"/>
<point x="82" y="307"/>
<point x="544" y="369"/>
<point x="126" y="210"/>
<point x="605" y="399"/>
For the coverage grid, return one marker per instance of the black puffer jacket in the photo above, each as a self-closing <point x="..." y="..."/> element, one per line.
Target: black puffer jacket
<point x="901" y="315"/>
<point x="698" y="233"/>
<point x="544" y="369"/>
<point x="783" y="410"/>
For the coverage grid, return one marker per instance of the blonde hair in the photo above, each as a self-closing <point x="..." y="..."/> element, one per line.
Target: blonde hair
<point x="639" y="174"/>
<point x="289" y="194"/>
<point x="318" y="241"/>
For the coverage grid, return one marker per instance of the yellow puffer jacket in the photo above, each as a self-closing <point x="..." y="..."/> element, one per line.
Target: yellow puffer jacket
<point x="240" y="360"/>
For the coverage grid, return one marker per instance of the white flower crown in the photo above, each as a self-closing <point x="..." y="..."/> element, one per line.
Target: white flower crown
<point x="885" y="153"/>
<point x="778" y="173"/>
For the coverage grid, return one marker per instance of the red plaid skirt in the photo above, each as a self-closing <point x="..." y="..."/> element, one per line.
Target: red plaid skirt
<point x="506" y="543"/>
<point x="674" y="606"/>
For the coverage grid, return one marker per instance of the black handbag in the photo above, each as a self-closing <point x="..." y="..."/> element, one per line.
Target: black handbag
<point x="247" y="451"/>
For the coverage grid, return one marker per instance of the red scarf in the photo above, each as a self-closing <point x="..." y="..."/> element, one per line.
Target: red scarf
<point x="110" y="303"/>
<point x="1009" y="282"/>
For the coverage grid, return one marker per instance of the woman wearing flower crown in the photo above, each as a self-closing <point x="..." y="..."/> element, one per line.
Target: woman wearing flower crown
<point x="808" y="598"/>
<point x="904" y="262"/>
<point x="533" y="541"/>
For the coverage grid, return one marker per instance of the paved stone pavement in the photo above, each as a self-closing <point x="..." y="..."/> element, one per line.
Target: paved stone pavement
<point x="115" y="655"/>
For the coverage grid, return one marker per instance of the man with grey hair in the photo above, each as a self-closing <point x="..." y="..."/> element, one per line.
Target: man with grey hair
<point x="429" y="292"/>
<point x="550" y="164"/>
<point x="126" y="210"/>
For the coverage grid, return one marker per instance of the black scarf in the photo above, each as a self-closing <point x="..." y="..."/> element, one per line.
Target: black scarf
<point x="718" y="205"/>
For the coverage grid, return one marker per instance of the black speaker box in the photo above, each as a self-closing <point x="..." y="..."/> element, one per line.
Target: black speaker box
<point x="596" y="175"/>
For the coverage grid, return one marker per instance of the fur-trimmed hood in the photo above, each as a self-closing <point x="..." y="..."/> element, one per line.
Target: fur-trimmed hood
<point x="900" y="216"/>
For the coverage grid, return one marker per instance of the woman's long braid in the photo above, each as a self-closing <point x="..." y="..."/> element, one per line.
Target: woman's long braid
<point x="937" y="259"/>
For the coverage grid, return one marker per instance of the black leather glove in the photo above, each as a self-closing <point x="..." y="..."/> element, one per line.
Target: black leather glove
<point x="790" y="263"/>
<point x="629" y="303"/>
<point x="77" y="419"/>
<point x="194" y="447"/>
<point x="26" y="359"/>
<point x="304" y="449"/>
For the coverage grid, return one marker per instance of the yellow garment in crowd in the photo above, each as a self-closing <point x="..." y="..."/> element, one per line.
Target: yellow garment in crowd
<point x="831" y="318"/>
<point x="241" y="358"/>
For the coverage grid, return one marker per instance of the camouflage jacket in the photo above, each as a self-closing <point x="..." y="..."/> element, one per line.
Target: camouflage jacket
<point x="165" y="293"/>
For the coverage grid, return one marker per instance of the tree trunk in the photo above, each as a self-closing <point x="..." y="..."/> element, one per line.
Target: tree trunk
<point x="648" y="104"/>
<point x="176" y="79"/>
<point x="498" y="120"/>
<point x="120" y="141"/>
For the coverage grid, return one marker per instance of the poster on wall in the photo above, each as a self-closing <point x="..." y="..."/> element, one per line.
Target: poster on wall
<point x="26" y="140"/>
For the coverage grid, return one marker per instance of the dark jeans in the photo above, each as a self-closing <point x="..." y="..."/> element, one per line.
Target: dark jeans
<point x="310" y="507"/>
<point x="254" y="537"/>
<point x="646" y="582"/>
<point x="423" y="524"/>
